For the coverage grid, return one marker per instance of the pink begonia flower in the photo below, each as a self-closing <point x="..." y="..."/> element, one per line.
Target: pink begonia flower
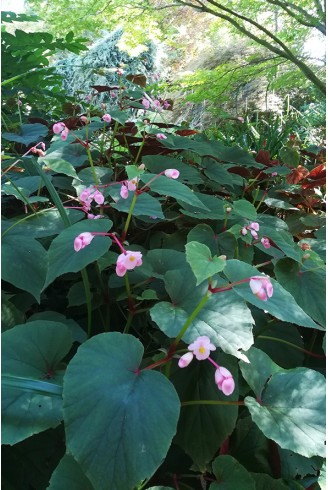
<point x="64" y="134"/>
<point x="145" y="103"/>
<point x="274" y="174"/>
<point x="185" y="360"/>
<point x="98" y="197"/>
<point x="58" y="127"/>
<point x="19" y="102"/>
<point x="92" y="216"/>
<point x="241" y="119"/>
<point x="166" y="105"/>
<point x="43" y="146"/>
<point x="172" y="173"/>
<point x="38" y="151"/>
<point x="132" y="184"/>
<point x="157" y="104"/>
<point x="161" y="136"/>
<point x="244" y="231"/>
<point x="261" y="287"/>
<point x="82" y="241"/>
<point x="120" y="71"/>
<point x="254" y="226"/>
<point x="224" y="381"/>
<point x="128" y="261"/>
<point x="201" y="347"/>
<point x="228" y="210"/>
<point x="106" y="118"/>
<point x="124" y="192"/>
<point x="88" y="98"/>
<point x="265" y="242"/>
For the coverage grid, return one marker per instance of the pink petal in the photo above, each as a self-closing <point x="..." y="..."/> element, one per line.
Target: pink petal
<point x="228" y="386"/>
<point x="185" y="360"/>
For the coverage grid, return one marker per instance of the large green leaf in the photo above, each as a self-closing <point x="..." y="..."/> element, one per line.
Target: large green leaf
<point x="119" y="421"/>
<point x="217" y="172"/>
<point x="284" y="240"/>
<point x="173" y="188"/>
<point x="245" y="209"/>
<point x="146" y="205"/>
<point x="42" y="224"/>
<point x="292" y="411"/>
<point x="204" y="234"/>
<point x="281" y="305"/>
<point x="30" y="133"/>
<point x="203" y="428"/>
<point x="266" y="482"/>
<point x="231" y="475"/>
<point x="259" y="370"/>
<point x="212" y="203"/>
<point x="62" y="256"/>
<point x="307" y="287"/>
<point x="225" y="318"/>
<point x="24" y="263"/>
<point x="158" y="163"/>
<point x="201" y="261"/>
<point x="69" y="476"/>
<point x="32" y="350"/>
<point x="294" y="465"/>
<point x="211" y="148"/>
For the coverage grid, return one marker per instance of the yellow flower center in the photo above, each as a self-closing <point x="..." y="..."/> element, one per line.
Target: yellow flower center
<point x="132" y="258"/>
<point x="202" y="350"/>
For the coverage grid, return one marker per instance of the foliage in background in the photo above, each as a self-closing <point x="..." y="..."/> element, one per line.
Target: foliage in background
<point x="98" y="66"/>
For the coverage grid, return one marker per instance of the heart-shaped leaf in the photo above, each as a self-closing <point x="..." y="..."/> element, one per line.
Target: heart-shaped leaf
<point x="292" y="411"/>
<point x="32" y="350"/>
<point x="68" y="474"/>
<point x="201" y="261"/>
<point x="231" y="475"/>
<point x="62" y="256"/>
<point x="133" y="414"/>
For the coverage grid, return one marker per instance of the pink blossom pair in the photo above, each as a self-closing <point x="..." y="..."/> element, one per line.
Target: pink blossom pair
<point x="201" y="349"/>
<point x="253" y="228"/>
<point x="127" y="261"/>
<point x="60" y="127"/>
<point x="90" y="194"/>
<point x="129" y="185"/>
<point x="261" y="287"/>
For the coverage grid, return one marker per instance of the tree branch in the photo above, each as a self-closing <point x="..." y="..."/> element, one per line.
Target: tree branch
<point x="307" y="20"/>
<point x="285" y="52"/>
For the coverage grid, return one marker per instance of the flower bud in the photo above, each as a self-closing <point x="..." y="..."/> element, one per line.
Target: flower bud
<point x="185" y="360"/>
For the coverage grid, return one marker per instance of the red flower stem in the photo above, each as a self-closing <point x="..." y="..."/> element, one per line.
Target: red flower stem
<point x="214" y="363"/>
<point x="111" y="235"/>
<point x="228" y="287"/>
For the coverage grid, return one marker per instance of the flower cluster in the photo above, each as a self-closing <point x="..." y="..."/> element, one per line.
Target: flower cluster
<point x="253" y="228"/>
<point x="201" y="349"/>
<point x="88" y="195"/>
<point x="261" y="287"/>
<point x="128" y="185"/>
<point x="107" y="118"/>
<point x="60" y="127"/>
<point x="127" y="261"/>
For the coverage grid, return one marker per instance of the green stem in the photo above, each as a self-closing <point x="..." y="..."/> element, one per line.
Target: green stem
<point x="211" y="402"/>
<point x="128" y="219"/>
<point x="86" y="284"/>
<point x="275" y="339"/>
<point x="95" y="178"/>
<point x="128" y="323"/>
<point x="191" y="318"/>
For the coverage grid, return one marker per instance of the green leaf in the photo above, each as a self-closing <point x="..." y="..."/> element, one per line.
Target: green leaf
<point x="259" y="370"/>
<point x="284" y="240"/>
<point x="217" y="172"/>
<point x="118" y="417"/>
<point x="30" y="133"/>
<point x="119" y="116"/>
<point x="236" y="270"/>
<point x="146" y="205"/>
<point x="294" y="465"/>
<point x="292" y="411"/>
<point x="43" y="224"/>
<point x="204" y="234"/>
<point x="225" y="319"/>
<point x="203" y="428"/>
<point x="201" y="262"/>
<point x="62" y="256"/>
<point x="76" y="294"/>
<point x="32" y="350"/>
<point x="245" y="209"/>
<point x="24" y="263"/>
<point x="322" y="477"/>
<point x="278" y="203"/>
<point x="68" y="475"/>
<point x="170" y="187"/>
<point x="266" y="482"/>
<point x="306" y="287"/>
<point x="289" y="156"/>
<point x="211" y="148"/>
<point x="231" y="475"/>
<point x="78" y="334"/>
<point x="215" y="205"/>
<point x="157" y="163"/>
<point x="10" y="315"/>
